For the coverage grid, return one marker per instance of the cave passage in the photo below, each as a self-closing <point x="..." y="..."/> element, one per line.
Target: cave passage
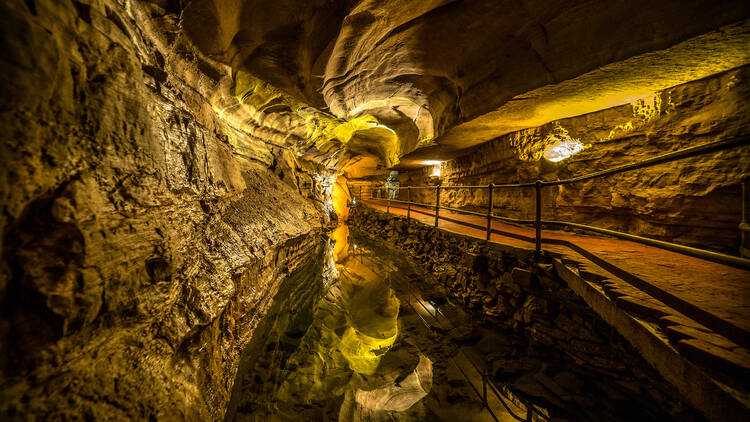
<point x="375" y="210"/>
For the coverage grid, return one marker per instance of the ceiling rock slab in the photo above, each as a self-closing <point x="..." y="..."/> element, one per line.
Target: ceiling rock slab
<point x="608" y="86"/>
<point x="282" y="41"/>
<point x="424" y="67"/>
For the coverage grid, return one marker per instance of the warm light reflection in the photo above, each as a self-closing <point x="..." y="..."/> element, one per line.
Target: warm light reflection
<point x="561" y="145"/>
<point x="372" y="307"/>
<point x="346" y="352"/>
<point x="435" y="171"/>
<point x="340" y="237"/>
<point x="364" y="352"/>
<point x="340" y="198"/>
<point x="563" y="150"/>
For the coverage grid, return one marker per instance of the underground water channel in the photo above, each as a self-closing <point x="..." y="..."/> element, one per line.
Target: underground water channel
<point x="359" y="333"/>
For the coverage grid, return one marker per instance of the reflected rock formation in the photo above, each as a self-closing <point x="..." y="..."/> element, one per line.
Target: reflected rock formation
<point x="349" y="363"/>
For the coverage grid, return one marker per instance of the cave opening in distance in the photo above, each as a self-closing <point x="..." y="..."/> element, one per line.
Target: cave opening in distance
<point x="396" y="210"/>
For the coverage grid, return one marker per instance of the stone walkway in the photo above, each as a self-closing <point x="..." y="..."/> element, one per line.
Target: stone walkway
<point x="718" y="289"/>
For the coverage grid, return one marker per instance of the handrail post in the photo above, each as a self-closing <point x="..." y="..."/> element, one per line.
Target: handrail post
<point x="484" y="387"/>
<point x="437" y="204"/>
<point x="538" y="219"/>
<point x="388" y="204"/>
<point x="490" y="188"/>
<point x="408" y="200"/>
<point x="744" y="247"/>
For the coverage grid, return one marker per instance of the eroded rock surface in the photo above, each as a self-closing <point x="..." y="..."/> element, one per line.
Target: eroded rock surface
<point x="166" y="163"/>
<point x="139" y="248"/>
<point x="422" y="67"/>
<point x="694" y="201"/>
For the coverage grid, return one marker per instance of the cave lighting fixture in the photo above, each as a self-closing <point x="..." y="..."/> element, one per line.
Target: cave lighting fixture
<point x="435" y="167"/>
<point x="563" y="150"/>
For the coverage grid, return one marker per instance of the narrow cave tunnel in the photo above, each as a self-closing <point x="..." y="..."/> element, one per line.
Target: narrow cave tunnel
<point x="359" y="210"/>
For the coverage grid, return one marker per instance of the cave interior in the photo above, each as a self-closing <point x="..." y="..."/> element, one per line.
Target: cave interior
<point x="362" y="210"/>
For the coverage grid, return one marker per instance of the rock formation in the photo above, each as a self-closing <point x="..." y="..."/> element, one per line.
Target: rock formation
<point x="423" y="67"/>
<point x="143" y="234"/>
<point x="167" y="163"/>
<point x="695" y="202"/>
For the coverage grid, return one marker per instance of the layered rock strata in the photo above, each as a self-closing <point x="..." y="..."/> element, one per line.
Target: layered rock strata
<point x="695" y="201"/>
<point x="142" y="234"/>
<point x="424" y="67"/>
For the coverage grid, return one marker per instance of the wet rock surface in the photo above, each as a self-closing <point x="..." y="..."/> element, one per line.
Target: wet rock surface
<point x="138" y="248"/>
<point x="166" y="164"/>
<point x="562" y="355"/>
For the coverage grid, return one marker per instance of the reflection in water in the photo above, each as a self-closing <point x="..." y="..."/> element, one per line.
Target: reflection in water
<point x="346" y="362"/>
<point x="339" y="343"/>
<point x="371" y="306"/>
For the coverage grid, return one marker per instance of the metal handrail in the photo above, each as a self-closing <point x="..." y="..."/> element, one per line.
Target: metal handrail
<point x="664" y="158"/>
<point x="725" y="328"/>
<point x="500" y="394"/>
<point x="719" y="257"/>
<point x="530" y="408"/>
<point x="734" y="261"/>
<point x="649" y="162"/>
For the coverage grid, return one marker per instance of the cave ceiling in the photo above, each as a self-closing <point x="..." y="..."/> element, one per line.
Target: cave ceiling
<point x="430" y="78"/>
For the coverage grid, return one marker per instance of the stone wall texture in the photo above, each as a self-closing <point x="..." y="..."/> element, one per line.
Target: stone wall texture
<point x="423" y="67"/>
<point x="696" y="201"/>
<point x="139" y="249"/>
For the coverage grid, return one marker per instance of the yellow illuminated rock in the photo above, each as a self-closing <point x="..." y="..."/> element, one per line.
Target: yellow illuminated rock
<point x="364" y="352"/>
<point x="341" y="197"/>
<point x="167" y="164"/>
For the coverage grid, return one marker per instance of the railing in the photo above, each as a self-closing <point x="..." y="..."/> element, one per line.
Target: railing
<point x="503" y="396"/>
<point x="725" y="328"/>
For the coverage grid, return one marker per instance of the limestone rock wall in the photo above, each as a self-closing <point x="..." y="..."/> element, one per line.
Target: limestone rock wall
<point x="139" y="248"/>
<point x="424" y="66"/>
<point x="695" y="201"/>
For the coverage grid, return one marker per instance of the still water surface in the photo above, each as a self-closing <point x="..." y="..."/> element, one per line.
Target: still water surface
<point x="346" y="339"/>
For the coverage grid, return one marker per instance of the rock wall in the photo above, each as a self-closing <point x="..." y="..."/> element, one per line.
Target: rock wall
<point x="139" y="250"/>
<point x="528" y="300"/>
<point x="695" y="202"/>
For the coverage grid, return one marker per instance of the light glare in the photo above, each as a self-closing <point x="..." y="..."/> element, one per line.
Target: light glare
<point x="563" y="150"/>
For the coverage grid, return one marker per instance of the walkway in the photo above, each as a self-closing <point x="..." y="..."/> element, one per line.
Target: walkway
<point x="721" y="290"/>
